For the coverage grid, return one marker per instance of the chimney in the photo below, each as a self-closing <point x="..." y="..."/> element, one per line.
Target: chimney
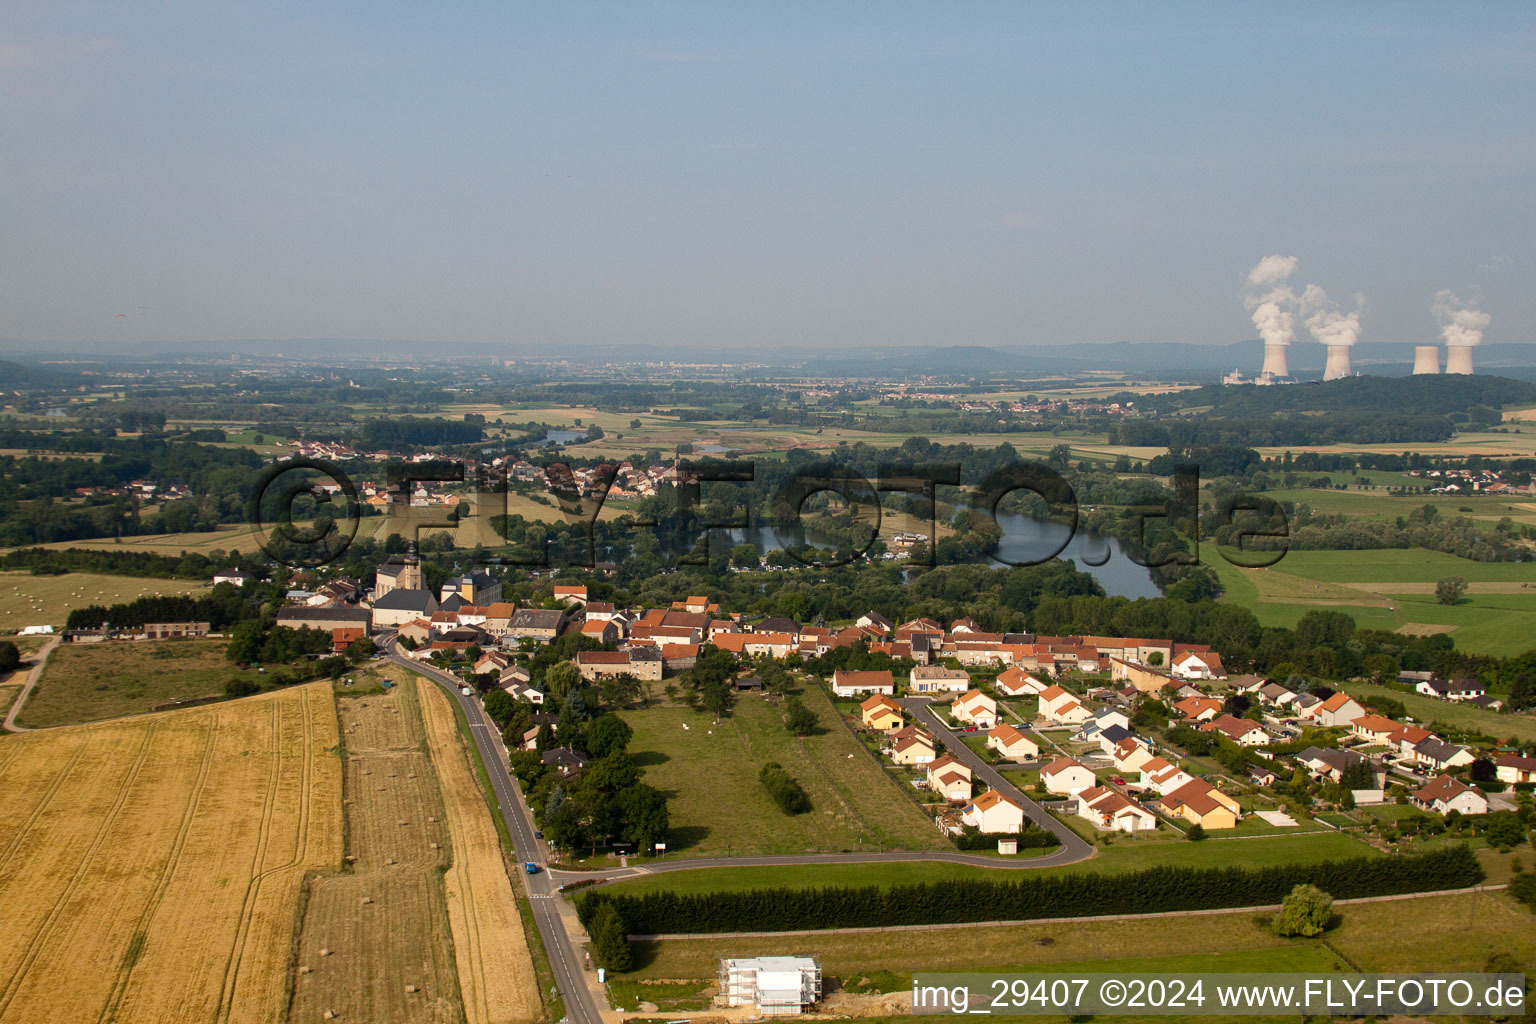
<point x="1426" y="359"/>
<point x="1338" y="363"/>
<point x="1458" y="359"/>
<point x="1274" y="361"/>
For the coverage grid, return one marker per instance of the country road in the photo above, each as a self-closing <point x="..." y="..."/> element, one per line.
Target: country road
<point x="39" y="662"/>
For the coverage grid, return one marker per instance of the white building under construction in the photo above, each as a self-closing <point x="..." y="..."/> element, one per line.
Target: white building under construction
<point x="779" y="986"/>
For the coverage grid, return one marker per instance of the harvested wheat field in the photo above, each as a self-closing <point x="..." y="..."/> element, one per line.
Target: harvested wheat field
<point x="379" y="939"/>
<point x="495" y="968"/>
<point x="150" y="870"/>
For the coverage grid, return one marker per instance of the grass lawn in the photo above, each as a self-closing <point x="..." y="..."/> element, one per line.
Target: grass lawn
<point x="28" y="600"/>
<point x="1429" y="709"/>
<point x="709" y="771"/>
<point x="1124" y="855"/>
<point x="7" y="696"/>
<point x="97" y="681"/>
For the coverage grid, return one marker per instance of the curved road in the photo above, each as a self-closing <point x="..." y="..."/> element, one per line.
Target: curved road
<point x="39" y="660"/>
<point x="568" y="962"/>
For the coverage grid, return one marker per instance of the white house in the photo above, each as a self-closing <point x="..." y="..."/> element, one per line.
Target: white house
<point x="1446" y="794"/>
<point x="1012" y="744"/>
<point x="938" y="679"/>
<point x="976" y="708"/>
<point x="1065" y="777"/>
<point x="1018" y="683"/>
<point x="846" y="683"/>
<point x="993" y="812"/>
<point x="1108" y="809"/>
<point x="1340" y="709"/>
<point x="1514" y="769"/>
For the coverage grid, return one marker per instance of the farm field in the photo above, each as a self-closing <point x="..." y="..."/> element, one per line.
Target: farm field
<point x="1122" y="856"/>
<point x="28" y="600"/>
<point x="496" y="977"/>
<point x="92" y="682"/>
<point x="710" y="771"/>
<point x="392" y="936"/>
<point x="150" y="870"/>
<point x="1496" y="618"/>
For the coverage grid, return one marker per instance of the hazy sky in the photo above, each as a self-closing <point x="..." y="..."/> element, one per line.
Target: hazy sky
<point x="811" y="176"/>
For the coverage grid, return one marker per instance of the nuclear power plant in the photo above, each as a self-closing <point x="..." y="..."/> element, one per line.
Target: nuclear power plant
<point x="1458" y="359"/>
<point x="1274" y="362"/>
<point x="1426" y="359"/>
<point x="1338" y="363"/>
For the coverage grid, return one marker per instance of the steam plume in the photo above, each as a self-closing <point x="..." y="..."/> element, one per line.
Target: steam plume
<point x="1461" y="323"/>
<point x="1324" y="320"/>
<point x="1271" y="300"/>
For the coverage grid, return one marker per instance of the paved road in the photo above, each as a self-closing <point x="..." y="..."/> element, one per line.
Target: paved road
<point x="1073" y="846"/>
<point x="33" y="675"/>
<point x="566" y="961"/>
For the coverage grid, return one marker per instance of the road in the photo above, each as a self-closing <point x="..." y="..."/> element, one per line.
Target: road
<point x="565" y="959"/>
<point x="1073" y="846"/>
<point x="39" y="661"/>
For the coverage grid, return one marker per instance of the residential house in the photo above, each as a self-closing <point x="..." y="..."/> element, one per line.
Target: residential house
<point x="881" y="713"/>
<point x="1130" y="754"/>
<point x="994" y="812"/>
<point x="1198" y="709"/>
<point x="595" y="665"/>
<point x="1339" y="709"/>
<point x="1190" y="664"/>
<point x="849" y="683"/>
<point x="566" y="760"/>
<point x="401" y="605"/>
<point x="1109" y="810"/>
<point x="604" y="631"/>
<point x="1514" y="769"/>
<point x="1059" y="706"/>
<point x="234" y="577"/>
<point x="1243" y="731"/>
<point x="975" y="708"/>
<point x="1330" y="763"/>
<point x="1452" y="689"/>
<point x="539" y="624"/>
<point x="1445" y="794"/>
<point x="1016" y="682"/>
<point x="1373" y="728"/>
<point x="950" y="778"/>
<point x="1434" y="753"/>
<point x="1145" y="678"/>
<point x="1064" y="777"/>
<point x="1274" y="695"/>
<point x="1009" y="742"/>
<point x="1200" y="803"/>
<point x="914" y="748"/>
<point x="1162" y="776"/>
<point x="571" y="593"/>
<point x="938" y="679"/>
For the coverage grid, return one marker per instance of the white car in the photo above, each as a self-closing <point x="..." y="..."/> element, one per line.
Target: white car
<point x="466" y="691"/>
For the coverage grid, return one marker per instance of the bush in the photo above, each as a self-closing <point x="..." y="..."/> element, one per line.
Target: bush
<point x="238" y="687"/>
<point x="1196" y="833"/>
<point x="786" y="792"/>
<point x="1523" y="888"/>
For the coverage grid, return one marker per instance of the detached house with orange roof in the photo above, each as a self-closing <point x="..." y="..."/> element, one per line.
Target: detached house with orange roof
<point x="994" y="812"/>
<point x="850" y="683"/>
<point x="1107" y="809"/>
<point x="1009" y="742"/>
<point x="912" y="746"/>
<point x="950" y="778"/>
<point x="571" y="593"/>
<point x="1373" y="728"/>
<point x="1064" y="776"/>
<point x="881" y="713"/>
<point x="1198" y="709"/>
<point x="1190" y="664"/>
<point x="1446" y="794"/>
<point x="1018" y="683"/>
<point x="1340" y="709"/>
<point x="1059" y="706"/>
<point x="975" y="708"/>
<point x="1200" y="803"/>
<point x="602" y="630"/>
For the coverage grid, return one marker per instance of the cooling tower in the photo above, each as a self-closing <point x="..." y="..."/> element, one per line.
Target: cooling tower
<point x="1458" y="359"/>
<point x="1338" y="363"/>
<point x="1426" y="359"/>
<point x="1274" y="361"/>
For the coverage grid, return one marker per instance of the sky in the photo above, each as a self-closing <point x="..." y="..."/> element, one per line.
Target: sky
<point x="728" y="177"/>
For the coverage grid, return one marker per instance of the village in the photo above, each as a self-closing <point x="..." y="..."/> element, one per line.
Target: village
<point x="994" y="734"/>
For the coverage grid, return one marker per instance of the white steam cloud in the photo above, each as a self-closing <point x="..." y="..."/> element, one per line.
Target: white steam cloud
<point x="1461" y="323"/>
<point x="1271" y="300"/>
<point x="1324" y="320"/>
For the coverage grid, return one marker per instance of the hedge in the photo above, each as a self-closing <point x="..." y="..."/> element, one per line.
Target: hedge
<point x="1037" y="896"/>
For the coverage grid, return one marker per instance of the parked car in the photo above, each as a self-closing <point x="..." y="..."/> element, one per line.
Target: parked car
<point x="1117" y="780"/>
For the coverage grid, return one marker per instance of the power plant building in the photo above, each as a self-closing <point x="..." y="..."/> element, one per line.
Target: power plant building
<point x="779" y="986"/>
<point x="1426" y="359"/>
<point x="1458" y="359"/>
<point x="1338" y="363"/>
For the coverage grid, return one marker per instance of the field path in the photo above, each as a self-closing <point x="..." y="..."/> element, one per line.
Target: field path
<point x="38" y="661"/>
